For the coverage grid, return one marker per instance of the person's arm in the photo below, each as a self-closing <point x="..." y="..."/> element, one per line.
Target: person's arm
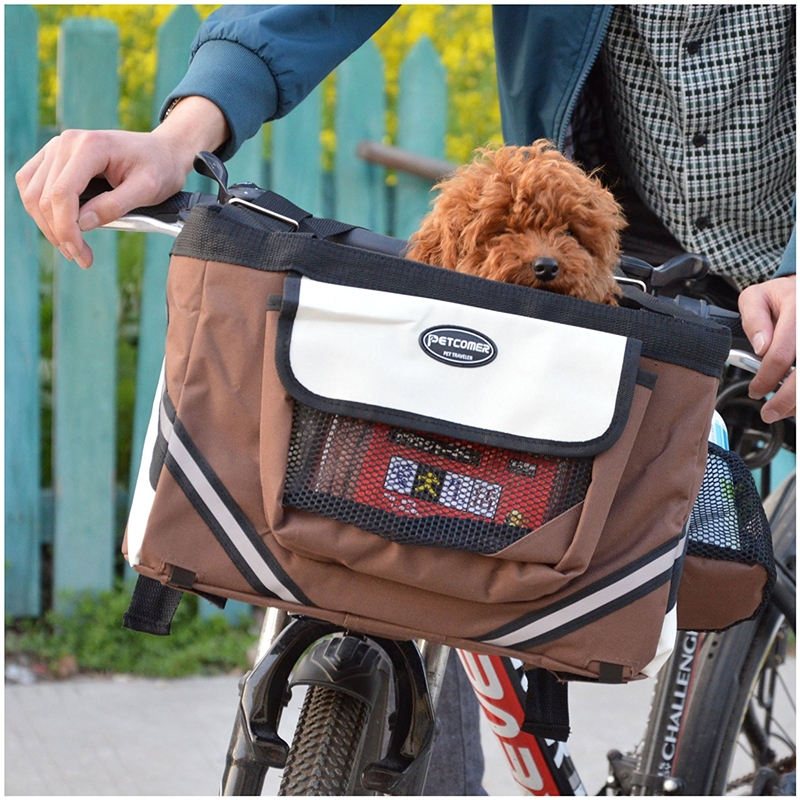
<point x="251" y="64"/>
<point x="256" y="63"/>
<point x="144" y="168"/>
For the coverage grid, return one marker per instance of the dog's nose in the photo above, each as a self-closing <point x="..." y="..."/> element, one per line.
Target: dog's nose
<point x="545" y="268"/>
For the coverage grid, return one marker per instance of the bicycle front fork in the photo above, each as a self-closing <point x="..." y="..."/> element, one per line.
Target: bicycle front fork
<point x="649" y="772"/>
<point x="300" y="650"/>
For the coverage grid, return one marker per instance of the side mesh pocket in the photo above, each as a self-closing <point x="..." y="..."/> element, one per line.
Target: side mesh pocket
<point x="728" y="525"/>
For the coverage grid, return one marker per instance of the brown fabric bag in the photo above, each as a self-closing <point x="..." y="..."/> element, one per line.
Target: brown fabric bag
<point x="411" y="452"/>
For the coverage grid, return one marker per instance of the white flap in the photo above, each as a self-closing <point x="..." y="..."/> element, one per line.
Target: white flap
<point x="542" y="380"/>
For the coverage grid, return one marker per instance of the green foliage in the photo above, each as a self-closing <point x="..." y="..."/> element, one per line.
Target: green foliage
<point x="93" y="635"/>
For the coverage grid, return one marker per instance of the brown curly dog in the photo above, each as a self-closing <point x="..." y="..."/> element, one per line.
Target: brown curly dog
<point x="525" y="215"/>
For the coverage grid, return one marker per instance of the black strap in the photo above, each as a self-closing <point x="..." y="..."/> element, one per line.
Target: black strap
<point x="546" y="706"/>
<point x="152" y="607"/>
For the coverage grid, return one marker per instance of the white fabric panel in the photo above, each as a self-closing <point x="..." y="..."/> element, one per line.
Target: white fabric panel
<point x="666" y="644"/>
<point x="143" y="493"/>
<point x="549" y="381"/>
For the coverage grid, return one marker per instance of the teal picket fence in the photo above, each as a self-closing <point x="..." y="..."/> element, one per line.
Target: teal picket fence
<point x="77" y="522"/>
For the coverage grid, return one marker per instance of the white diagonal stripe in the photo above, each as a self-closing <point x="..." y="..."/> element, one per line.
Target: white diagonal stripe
<point x="221" y="513"/>
<point x="590" y="603"/>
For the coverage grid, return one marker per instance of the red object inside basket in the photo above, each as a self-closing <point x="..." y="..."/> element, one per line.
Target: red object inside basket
<point x="422" y="475"/>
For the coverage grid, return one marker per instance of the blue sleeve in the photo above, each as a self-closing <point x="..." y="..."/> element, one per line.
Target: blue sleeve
<point x="258" y="62"/>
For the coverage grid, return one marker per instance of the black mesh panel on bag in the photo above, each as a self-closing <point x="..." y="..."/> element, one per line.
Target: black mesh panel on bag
<point x="728" y="522"/>
<point x="417" y="488"/>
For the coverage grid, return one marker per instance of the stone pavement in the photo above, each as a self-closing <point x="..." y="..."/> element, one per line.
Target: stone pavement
<point x="133" y="736"/>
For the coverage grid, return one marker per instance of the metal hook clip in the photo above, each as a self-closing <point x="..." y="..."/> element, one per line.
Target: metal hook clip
<point x="237" y="201"/>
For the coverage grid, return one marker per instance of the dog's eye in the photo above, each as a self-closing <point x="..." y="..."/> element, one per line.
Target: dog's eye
<point x="568" y="232"/>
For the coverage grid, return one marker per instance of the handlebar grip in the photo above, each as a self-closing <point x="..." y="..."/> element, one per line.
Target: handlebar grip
<point x="167" y="211"/>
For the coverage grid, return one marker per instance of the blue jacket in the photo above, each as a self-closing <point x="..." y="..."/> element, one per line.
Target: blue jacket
<point x="258" y="62"/>
<point x="273" y="56"/>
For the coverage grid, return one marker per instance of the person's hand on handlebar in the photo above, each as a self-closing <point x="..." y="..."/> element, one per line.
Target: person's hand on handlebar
<point x="143" y="168"/>
<point x="769" y="319"/>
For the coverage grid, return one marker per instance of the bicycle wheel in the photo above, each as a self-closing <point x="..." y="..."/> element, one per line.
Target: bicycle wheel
<point x="733" y="740"/>
<point x="324" y="756"/>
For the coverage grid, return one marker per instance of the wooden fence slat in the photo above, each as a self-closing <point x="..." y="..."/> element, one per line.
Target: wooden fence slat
<point x="422" y="125"/>
<point x="248" y="163"/>
<point x="85" y="340"/>
<point x="173" y="42"/>
<point x="359" y="187"/>
<point x="22" y="345"/>
<point x="296" y="169"/>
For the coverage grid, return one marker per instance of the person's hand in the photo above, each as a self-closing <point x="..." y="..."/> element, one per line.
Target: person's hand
<point x="143" y="168"/>
<point x="769" y="319"/>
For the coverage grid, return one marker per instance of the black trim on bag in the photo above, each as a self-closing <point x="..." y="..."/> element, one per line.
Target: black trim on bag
<point x="157" y="461"/>
<point x="233" y="508"/>
<point x="629" y="377"/>
<point x="183" y="580"/>
<point x="593" y="614"/>
<point x="677" y="571"/>
<point x="668" y="332"/>
<point x="647" y="379"/>
<point x="596" y="614"/>
<point x="610" y="673"/>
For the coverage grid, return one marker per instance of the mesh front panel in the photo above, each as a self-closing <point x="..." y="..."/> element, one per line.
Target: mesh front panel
<point x="728" y="522"/>
<point x="418" y="488"/>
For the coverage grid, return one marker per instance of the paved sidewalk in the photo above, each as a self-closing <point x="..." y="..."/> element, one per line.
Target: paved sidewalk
<point x="133" y="736"/>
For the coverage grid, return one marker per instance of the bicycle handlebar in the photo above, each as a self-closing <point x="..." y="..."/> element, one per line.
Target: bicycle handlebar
<point x="169" y="211"/>
<point x="168" y="218"/>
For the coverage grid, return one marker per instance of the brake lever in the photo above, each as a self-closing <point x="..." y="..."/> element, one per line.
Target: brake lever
<point x="683" y="267"/>
<point x="744" y="360"/>
<point x="673" y="272"/>
<point x="141" y="223"/>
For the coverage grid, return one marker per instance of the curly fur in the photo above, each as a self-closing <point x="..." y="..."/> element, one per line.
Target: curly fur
<point x="511" y="206"/>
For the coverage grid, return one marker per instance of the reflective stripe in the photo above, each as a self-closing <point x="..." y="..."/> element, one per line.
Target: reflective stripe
<point x="223" y="514"/>
<point x="628" y="587"/>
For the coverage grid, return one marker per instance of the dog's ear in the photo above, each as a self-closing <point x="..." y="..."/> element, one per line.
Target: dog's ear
<point x="597" y="221"/>
<point x="439" y="238"/>
<point x="436" y="241"/>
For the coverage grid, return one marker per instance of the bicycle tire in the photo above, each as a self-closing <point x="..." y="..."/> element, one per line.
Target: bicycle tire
<point x="724" y="705"/>
<point x="324" y="754"/>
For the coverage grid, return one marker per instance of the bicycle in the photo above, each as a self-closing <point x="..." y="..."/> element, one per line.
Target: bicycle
<point x="378" y="696"/>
